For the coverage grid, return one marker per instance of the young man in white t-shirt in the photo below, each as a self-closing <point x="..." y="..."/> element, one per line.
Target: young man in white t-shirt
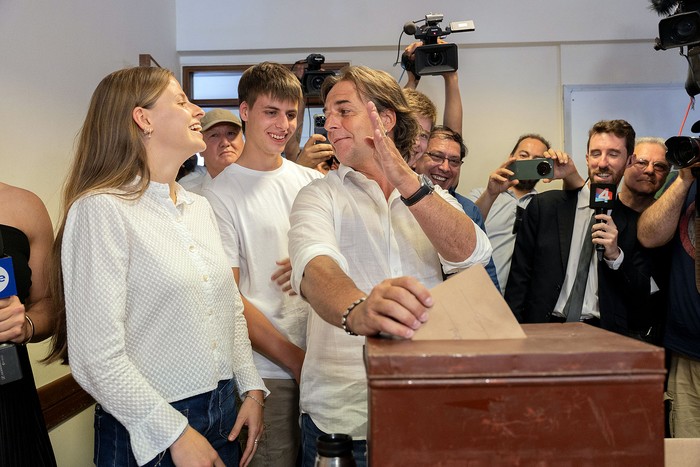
<point x="252" y="199"/>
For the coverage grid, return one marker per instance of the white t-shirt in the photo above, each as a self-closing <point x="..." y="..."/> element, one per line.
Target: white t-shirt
<point x="252" y="208"/>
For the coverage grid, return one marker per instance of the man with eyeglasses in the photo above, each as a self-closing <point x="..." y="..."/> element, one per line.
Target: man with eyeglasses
<point x="554" y="275"/>
<point x="441" y="163"/>
<point x="644" y="177"/>
<point x="646" y="173"/>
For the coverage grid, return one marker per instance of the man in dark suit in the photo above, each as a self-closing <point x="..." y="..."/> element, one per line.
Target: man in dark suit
<point x="545" y="265"/>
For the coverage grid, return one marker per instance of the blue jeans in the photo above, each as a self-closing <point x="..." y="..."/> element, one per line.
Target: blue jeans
<point x="212" y="414"/>
<point x="309" y="433"/>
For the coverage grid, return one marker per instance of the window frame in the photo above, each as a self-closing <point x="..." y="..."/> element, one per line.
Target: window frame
<point x="188" y="82"/>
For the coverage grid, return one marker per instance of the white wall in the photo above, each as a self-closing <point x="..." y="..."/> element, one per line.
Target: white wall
<point x="273" y="24"/>
<point x="512" y="68"/>
<point x="52" y="56"/>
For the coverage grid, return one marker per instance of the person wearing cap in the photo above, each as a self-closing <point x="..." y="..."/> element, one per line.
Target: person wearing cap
<point x="252" y="200"/>
<point x="224" y="140"/>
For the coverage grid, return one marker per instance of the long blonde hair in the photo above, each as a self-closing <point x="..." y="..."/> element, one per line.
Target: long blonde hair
<point x="110" y="155"/>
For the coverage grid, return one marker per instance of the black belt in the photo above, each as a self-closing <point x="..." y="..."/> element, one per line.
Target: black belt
<point x="561" y="319"/>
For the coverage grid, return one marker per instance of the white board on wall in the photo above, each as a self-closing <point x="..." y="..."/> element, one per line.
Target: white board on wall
<point x="652" y="109"/>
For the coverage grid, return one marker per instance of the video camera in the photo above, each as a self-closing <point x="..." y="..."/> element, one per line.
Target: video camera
<point x="681" y="29"/>
<point x="313" y="77"/>
<point x="432" y="58"/>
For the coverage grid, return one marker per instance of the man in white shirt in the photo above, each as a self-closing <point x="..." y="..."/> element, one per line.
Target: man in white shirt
<point x="367" y="242"/>
<point x="224" y="139"/>
<point x="252" y="200"/>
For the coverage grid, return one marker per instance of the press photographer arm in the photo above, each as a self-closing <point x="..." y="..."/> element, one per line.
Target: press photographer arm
<point x="452" y="117"/>
<point x="499" y="182"/>
<point x="658" y="223"/>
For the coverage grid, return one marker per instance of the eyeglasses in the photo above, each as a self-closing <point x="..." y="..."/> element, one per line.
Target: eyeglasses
<point x="454" y="163"/>
<point x="659" y="167"/>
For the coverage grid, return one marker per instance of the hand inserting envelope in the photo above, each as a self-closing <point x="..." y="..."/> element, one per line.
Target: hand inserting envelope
<point x="468" y="306"/>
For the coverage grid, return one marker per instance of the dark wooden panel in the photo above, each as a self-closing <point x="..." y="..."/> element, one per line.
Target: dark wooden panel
<point x="62" y="399"/>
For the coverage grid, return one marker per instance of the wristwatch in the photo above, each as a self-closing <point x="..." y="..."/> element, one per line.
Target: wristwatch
<point x="426" y="188"/>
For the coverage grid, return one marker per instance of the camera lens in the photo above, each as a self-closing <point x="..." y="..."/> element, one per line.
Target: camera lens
<point x="543" y="168"/>
<point x="317" y="82"/>
<point x="684" y="29"/>
<point x="435" y="58"/>
<point x="683" y="151"/>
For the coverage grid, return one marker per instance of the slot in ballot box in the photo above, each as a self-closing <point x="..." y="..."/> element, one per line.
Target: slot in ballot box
<point x="567" y="394"/>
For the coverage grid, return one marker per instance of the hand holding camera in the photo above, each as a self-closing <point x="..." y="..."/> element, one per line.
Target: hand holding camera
<point x="556" y="166"/>
<point x="315" y="151"/>
<point x="501" y="179"/>
<point x="532" y="169"/>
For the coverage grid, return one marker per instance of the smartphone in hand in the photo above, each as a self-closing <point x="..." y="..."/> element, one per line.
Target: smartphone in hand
<point x="319" y="122"/>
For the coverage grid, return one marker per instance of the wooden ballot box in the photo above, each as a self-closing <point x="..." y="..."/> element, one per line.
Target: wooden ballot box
<point x="568" y="394"/>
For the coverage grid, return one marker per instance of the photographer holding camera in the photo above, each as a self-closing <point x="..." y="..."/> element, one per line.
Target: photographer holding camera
<point x="673" y="218"/>
<point x="317" y="149"/>
<point x="452" y="116"/>
<point x="554" y="275"/>
<point x="504" y="199"/>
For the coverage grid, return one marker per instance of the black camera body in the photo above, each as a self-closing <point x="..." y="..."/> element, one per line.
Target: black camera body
<point x="320" y="125"/>
<point x="683" y="151"/>
<point x="313" y="77"/>
<point x="432" y="58"/>
<point x="681" y="29"/>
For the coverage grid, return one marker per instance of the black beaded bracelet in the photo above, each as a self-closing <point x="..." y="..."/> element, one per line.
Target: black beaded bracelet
<point x="344" y="322"/>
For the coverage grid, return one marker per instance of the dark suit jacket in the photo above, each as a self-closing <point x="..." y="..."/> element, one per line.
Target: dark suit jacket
<point x="541" y="254"/>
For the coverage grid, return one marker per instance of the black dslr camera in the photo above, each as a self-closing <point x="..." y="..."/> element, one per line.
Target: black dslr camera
<point x="433" y="58"/>
<point x="313" y="77"/>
